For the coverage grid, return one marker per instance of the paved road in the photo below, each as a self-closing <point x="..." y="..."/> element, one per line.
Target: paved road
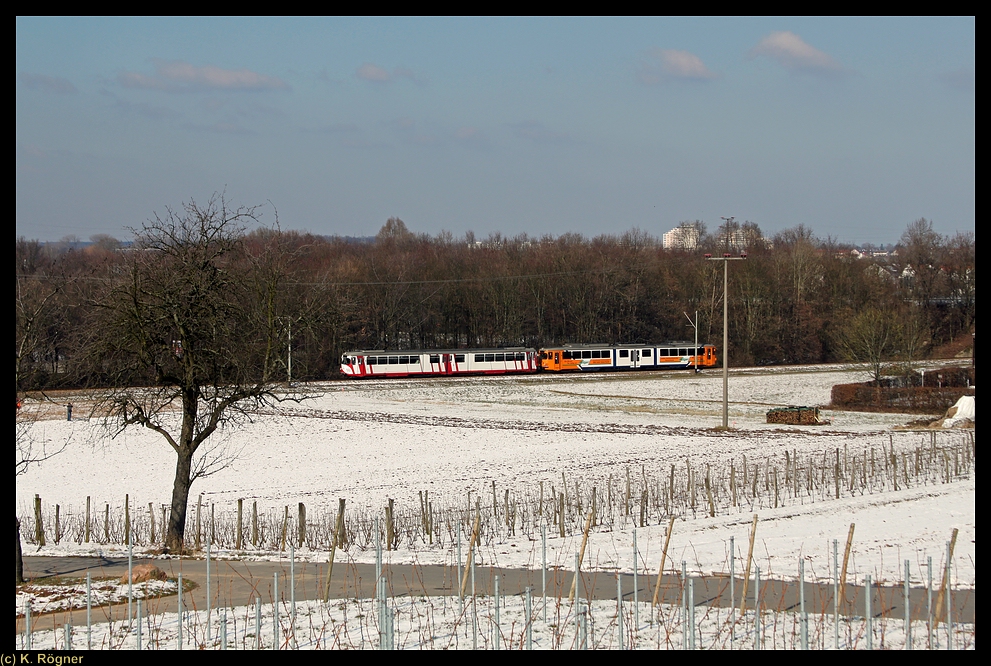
<point x="238" y="583"/>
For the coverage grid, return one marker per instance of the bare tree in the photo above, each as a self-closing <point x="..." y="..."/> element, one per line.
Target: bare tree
<point x="27" y="452"/>
<point x="872" y="337"/>
<point x="190" y="338"/>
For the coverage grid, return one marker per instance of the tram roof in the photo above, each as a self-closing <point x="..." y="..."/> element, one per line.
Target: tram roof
<point x="629" y="345"/>
<point x="418" y="352"/>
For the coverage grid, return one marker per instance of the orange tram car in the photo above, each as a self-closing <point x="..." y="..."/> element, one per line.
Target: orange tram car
<point x="523" y="360"/>
<point x="666" y="355"/>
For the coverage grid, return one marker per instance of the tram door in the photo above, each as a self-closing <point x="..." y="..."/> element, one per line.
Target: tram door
<point x="445" y="366"/>
<point x="634" y="358"/>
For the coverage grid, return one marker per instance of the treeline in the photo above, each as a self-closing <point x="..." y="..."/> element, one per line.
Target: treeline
<point x="796" y="299"/>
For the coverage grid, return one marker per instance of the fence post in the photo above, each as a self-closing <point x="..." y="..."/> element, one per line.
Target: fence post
<point x="39" y="529"/>
<point x="302" y="524"/>
<point x="239" y="543"/>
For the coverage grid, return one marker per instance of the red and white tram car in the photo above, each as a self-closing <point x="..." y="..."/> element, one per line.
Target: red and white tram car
<point x="439" y="362"/>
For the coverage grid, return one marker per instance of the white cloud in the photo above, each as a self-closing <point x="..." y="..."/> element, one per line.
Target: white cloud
<point x="671" y="64"/>
<point x="791" y="51"/>
<point x="370" y="72"/>
<point x="179" y="76"/>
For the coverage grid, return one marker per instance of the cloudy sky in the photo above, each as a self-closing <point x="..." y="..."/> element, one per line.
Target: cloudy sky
<point x="853" y="127"/>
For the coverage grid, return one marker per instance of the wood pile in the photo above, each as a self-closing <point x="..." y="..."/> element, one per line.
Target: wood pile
<point x="794" y="416"/>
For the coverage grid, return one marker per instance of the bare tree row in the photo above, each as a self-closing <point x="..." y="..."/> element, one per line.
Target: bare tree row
<point x="797" y="299"/>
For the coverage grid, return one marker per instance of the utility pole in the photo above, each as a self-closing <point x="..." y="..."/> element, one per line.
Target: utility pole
<point x="726" y="258"/>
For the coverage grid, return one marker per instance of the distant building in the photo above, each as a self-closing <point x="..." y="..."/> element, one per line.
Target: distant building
<point x="735" y="240"/>
<point x="685" y="236"/>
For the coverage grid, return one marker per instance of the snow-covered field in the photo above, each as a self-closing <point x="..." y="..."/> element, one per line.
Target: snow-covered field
<point x="368" y="441"/>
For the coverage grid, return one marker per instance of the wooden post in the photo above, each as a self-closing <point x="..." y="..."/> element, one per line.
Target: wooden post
<point x="775" y="487"/>
<point x="127" y="519"/>
<point x="664" y="556"/>
<point x="239" y="543"/>
<point x="471" y="551"/>
<point x="626" y="506"/>
<point x="732" y="481"/>
<point x="254" y="523"/>
<point x="708" y="493"/>
<point x="58" y="525"/>
<point x="506" y="509"/>
<point x="671" y="488"/>
<point x="86" y="534"/>
<point x="941" y="597"/>
<point x="560" y="521"/>
<point x="423" y="514"/>
<point x="836" y="473"/>
<point x="846" y="559"/>
<point x="581" y="556"/>
<point x="750" y="555"/>
<point x="390" y="526"/>
<point x="338" y="539"/>
<point x="302" y="524"/>
<point x="106" y="524"/>
<point x="151" y="523"/>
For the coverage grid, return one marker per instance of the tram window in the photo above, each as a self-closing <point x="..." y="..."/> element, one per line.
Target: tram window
<point x="624" y="353"/>
<point x="500" y="357"/>
<point x="459" y="358"/>
<point x="372" y="360"/>
<point x="567" y="355"/>
<point x="586" y="354"/>
<point x="520" y="356"/>
<point x="647" y="352"/>
<point x="435" y="358"/>
<point x="393" y="360"/>
<point x="479" y="358"/>
<point x="490" y="358"/>
<point x="682" y="352"/>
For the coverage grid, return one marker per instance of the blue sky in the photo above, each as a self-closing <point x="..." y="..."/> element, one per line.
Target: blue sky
<point x="853" y="127"/>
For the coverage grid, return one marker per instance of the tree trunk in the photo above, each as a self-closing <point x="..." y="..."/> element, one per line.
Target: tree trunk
<point x="180" y="499"/>
<point x="20" y="558"/>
